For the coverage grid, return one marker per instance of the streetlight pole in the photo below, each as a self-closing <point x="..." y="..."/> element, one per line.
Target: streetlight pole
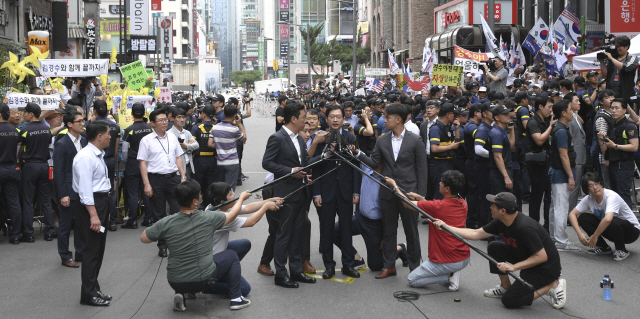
<point x="355" y="43"/>
<point x="309" y="80"/>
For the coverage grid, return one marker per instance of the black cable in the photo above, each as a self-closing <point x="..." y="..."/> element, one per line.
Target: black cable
<point x="410" y="296"/>
<point x="547" y="301"/>
<point x="149" y="292"/>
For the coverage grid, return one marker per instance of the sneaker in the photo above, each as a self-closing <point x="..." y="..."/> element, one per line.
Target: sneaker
<point x="237" y="305"/>
<point x="454" y="281"/>
<point x="568" y="247"/>
<point x="599" y="251"/>
<point x="560" y="293"/>
<point x="402" y="254"/>
<point x="620" y="255"/>
<point x="178" y="303"/>
<point x="495" y="292"/>
<point x="359" y="264"/>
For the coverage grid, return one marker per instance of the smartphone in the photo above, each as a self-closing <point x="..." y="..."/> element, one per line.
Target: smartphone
<point x="321" y="132"/>
<point x="345" y="126"/>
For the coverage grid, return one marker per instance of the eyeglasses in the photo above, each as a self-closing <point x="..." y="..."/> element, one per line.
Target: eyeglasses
<point x="162" y="120"/>
<point x="593" y="186"/>
<point x="335" y="117"/>
<point x="79" y="121"/>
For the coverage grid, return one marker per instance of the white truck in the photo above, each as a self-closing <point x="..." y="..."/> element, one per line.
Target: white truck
<point x="273" y="85"/>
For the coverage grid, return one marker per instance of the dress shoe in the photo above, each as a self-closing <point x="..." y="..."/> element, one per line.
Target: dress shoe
<point x="94" y="301"/>
<point x="27" y="239"/>
<point x="70" y="263"/>
<point x="146" y="223"/>
<point x="103" y="296"/>
<point x="15" y="241"/>
<point x="329" y="273"/>
<point x="113" y="227"/>
<point x="350" y="271"/>
<point x="78" y="259"/>
<point x="386" y="273"/>
<point x="301" y="277"/>
<point x="55" y="233"/>
<point x="130" y="225"/>
<point x="162" y="252"/>
<point x="402" y="254"/>
<point x="286" y="282"/>
<point x="264" y="269"/>
<point x="308" y="268"/>
<point x="239" y="182"/>
<point x="48" y="237"/>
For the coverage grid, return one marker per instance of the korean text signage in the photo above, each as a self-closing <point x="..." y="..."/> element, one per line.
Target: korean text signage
<point x="497" y="12"/>
<point x="284" y="4"/>
<point x="135" y="74"/>
<point x="116" y="9"/>
<point x="284" y="31"/>
<point x="469" y="60"/>
<point x="447" y="75"/>
<point x="146" y="100"/>
<point x="623" y="16"/>
<point x="73" y="67"/>
<point x="156" y="5"/>
<point x="449" y="18"/>
<point x="165" y="94"/>
<point x="284" y="54"/>
<point x="139" y="15"/>
<point x="38" y="22"/>
<point x="46" y="102"/>
<point x="284" y="16"/>
<point x="90" y="26"/>
<point x="142" y="44"/>
<point x="112" y="26"/>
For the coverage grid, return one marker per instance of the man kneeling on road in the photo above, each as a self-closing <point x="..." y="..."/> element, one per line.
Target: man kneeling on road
<point x="192" y="267"/>
<point x="447" y="255"/>
<point x="527" y="247"/>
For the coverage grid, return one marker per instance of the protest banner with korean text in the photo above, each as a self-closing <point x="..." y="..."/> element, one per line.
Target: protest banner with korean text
<point x="46" y="102"/>
<point x="135" y="74"/>
<point x="447" y="75"/>
<point x="73" y="67"/>
<point x="146" y="100"/>
<point x="469" y="60"/>
<point x="165" y="95"/>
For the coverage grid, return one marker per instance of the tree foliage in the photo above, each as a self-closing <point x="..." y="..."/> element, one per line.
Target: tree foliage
<point x="245" y="77"/>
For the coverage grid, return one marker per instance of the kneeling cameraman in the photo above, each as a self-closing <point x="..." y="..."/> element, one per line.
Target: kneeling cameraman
<point x="192" y="267"/>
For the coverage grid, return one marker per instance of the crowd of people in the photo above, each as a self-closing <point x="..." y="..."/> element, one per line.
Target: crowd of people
<point x="469" y="156"/>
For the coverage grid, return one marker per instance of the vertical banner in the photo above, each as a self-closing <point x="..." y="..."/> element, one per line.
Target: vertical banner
<point x="194" y="21"/>
<point x="139" y="15"/>
<point x="284" y="4"/>
<point x="90" y="26"/>
<point x="284" y="31"/>
<point x="261" y="56"/>
<point x="284" y="54"/>
<point x="156" y="5"/>
<point x="166" y="24"/>
<point x="72" y="12"/>
<point x="623" y="12"/>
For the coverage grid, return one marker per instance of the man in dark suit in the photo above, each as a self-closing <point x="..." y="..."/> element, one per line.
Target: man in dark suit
<point x="336" y="193"/>
<point x="403" y="157"/>
<point x="286" y="153"/>
<point x="66" y="149"/>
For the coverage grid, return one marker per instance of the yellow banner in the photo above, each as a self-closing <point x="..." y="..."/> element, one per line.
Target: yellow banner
<point x="125" y="119"/>
<point x="447" y="75"/>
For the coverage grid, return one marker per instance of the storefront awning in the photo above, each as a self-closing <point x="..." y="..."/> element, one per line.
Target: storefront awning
<point x="76" y="33"/>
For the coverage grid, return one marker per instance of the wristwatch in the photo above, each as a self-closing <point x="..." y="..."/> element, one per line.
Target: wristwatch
<point x="394" y="189"/>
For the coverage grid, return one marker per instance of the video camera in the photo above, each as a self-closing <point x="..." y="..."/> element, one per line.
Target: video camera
<point x="609" y="46"/>
<point x="491" y="63"/>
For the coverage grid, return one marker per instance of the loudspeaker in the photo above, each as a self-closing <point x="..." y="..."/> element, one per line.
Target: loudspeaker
<point x="59" y="33"/>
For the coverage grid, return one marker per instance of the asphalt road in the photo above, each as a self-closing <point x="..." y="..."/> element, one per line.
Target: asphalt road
<point x="33" y="283"/>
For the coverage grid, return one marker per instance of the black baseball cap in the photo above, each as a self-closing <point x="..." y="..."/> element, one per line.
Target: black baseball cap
<point x="137" y="110"/>
<point x="579" y="80"/>
<point x="209" y="110"/>
<point x="461" y="111"/>
<point x="517" y="83"/>
<point x="5" y="111"/>
<point x="100" y="105"/>
<point x="31" y="107"/>
<point x="486" y="106"/>
<point x="447" y="108"/>
<point x="520" y="95"/>
<point x="218" y="97"/>
<point x="554" y="93"/>
<point x="591" y="73"/>
<point x="506" y="200"/>
<point x="498" y="110"/>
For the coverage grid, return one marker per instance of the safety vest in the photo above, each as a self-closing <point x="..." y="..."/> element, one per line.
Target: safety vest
<point x="446" y="138"/>
<point x="619" y="136"/>
<point x="554" y="156"/>
<point x="202" y="138"/>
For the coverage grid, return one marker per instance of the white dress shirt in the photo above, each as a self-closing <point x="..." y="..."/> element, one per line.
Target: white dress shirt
<point x="429" y="124"/>
<point x="412" y="127"/>
<point x="294" y="139"/>
<point x="396" y="143"/>
<point x="90" y="174"/>
<point x="353" y="120"/>
<point x="160" y="153"/>
<point x="76" y="142"/>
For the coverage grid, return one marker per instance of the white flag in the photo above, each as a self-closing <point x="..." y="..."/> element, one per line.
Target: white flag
<point x="426" y="56"/>
<point x="492" y="42"/>
<point x="393" y="65"/>
<point x="571" y="24"/>
<point x="537" y="36"/>
<point x="522" y="61"/>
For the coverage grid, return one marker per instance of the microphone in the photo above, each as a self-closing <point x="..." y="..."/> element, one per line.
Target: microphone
<point x="330" y="139"/>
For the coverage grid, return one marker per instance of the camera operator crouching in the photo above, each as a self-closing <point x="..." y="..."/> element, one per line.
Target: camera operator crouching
<point x="619" y="68"/>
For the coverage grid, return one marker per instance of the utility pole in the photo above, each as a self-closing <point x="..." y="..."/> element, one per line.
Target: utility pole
<point x="355" y="44"/>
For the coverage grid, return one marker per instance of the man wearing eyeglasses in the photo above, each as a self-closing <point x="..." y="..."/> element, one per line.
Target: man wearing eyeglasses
<point x="160" y="157"/>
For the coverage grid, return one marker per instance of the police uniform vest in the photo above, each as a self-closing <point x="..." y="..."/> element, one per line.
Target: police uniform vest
<point x="619" y="136"/>
<point x="9" y="139"/>
<point x="520" y="130"/>
<point x="202" y="138"/>
<point x="554" y="156"/>
<point x="446" y="138"/>
<point x="461" y="150"/>
<point x="469" y="140"/>
<point x="610" y="124"/>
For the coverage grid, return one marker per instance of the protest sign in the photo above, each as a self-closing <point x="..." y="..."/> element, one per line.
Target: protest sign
<point x="447" y="75"/>
<point x="416" y="82"/>
<point x="135" y="74"/>
<point x="146" y="100"/>
<point x="73" y="67"/>
<point x="46" y="102"/>
<point x="125" y="119"/>
<point x="165" y="95"/>
<point x="470" y="61"/>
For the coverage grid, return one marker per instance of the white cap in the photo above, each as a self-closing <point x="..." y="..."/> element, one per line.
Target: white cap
<point x="482" y="89"/>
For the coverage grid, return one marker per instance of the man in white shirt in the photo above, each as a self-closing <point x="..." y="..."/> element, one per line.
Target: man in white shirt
<point x="91" y="182"/>
<point x="186" y="140"/>
<point x="160" y="157"/>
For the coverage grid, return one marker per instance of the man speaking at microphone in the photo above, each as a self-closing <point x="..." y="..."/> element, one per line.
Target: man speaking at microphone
<point x="336" y="193"/>
<point x="286" y="153"/>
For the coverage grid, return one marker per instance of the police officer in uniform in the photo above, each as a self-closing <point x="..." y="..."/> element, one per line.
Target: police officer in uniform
<point x="470" y="129"/>
<point x="482" y="144"/>
<point x="204" y="159"/>
<point x="10" y="172"/>
<point x="442" y="140"/>
<point x="133" y="181"/>
<point x="502" y="141"/>
<point x="34" y="155"/>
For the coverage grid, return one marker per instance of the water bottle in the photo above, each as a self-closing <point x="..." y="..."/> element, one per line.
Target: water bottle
<point x="606" y="284"/>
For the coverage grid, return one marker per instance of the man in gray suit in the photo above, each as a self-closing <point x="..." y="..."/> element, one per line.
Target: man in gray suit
<point x="403" y="158"/>
<point x="579" y="145"/>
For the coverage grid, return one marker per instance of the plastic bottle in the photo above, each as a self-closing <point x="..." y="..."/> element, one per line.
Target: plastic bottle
<point x="606" y="287"/>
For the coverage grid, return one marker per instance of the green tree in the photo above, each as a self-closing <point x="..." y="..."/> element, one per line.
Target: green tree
<point x="345" y="54"/>
<point x="245" y="77"/>
<point x="319" y="52"/>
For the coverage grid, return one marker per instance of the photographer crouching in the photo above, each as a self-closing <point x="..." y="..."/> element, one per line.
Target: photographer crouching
<point x="495" y="75"/>
<point x="619" y="68"/>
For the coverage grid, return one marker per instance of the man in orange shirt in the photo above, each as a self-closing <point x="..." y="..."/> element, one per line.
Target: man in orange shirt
<point x="447" y="255"/>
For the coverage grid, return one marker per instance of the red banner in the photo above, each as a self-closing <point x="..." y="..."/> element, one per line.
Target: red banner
<point x="156" y="5"/>
<point x="623" y="12"/>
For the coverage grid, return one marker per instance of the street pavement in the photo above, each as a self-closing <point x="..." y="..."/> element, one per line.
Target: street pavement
<point x="33" y="283"/>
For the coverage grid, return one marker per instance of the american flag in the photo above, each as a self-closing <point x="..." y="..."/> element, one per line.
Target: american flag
<point x="377" y="85"/>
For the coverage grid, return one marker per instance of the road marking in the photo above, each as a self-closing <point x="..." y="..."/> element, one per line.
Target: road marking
<point x="347" y="281"/>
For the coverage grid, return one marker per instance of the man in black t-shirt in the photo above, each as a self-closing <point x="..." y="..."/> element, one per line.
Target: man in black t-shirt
<point x="282" y="101"/>
<point x="527" y="247"/>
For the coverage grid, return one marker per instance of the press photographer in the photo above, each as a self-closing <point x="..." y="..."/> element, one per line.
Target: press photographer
<point x="619" y="69"/>
<point x="86" y="89"/>
<point x="495" y="75"/>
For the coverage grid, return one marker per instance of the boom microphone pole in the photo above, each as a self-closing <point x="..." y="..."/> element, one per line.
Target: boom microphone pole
<point x="423" y="213"/>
